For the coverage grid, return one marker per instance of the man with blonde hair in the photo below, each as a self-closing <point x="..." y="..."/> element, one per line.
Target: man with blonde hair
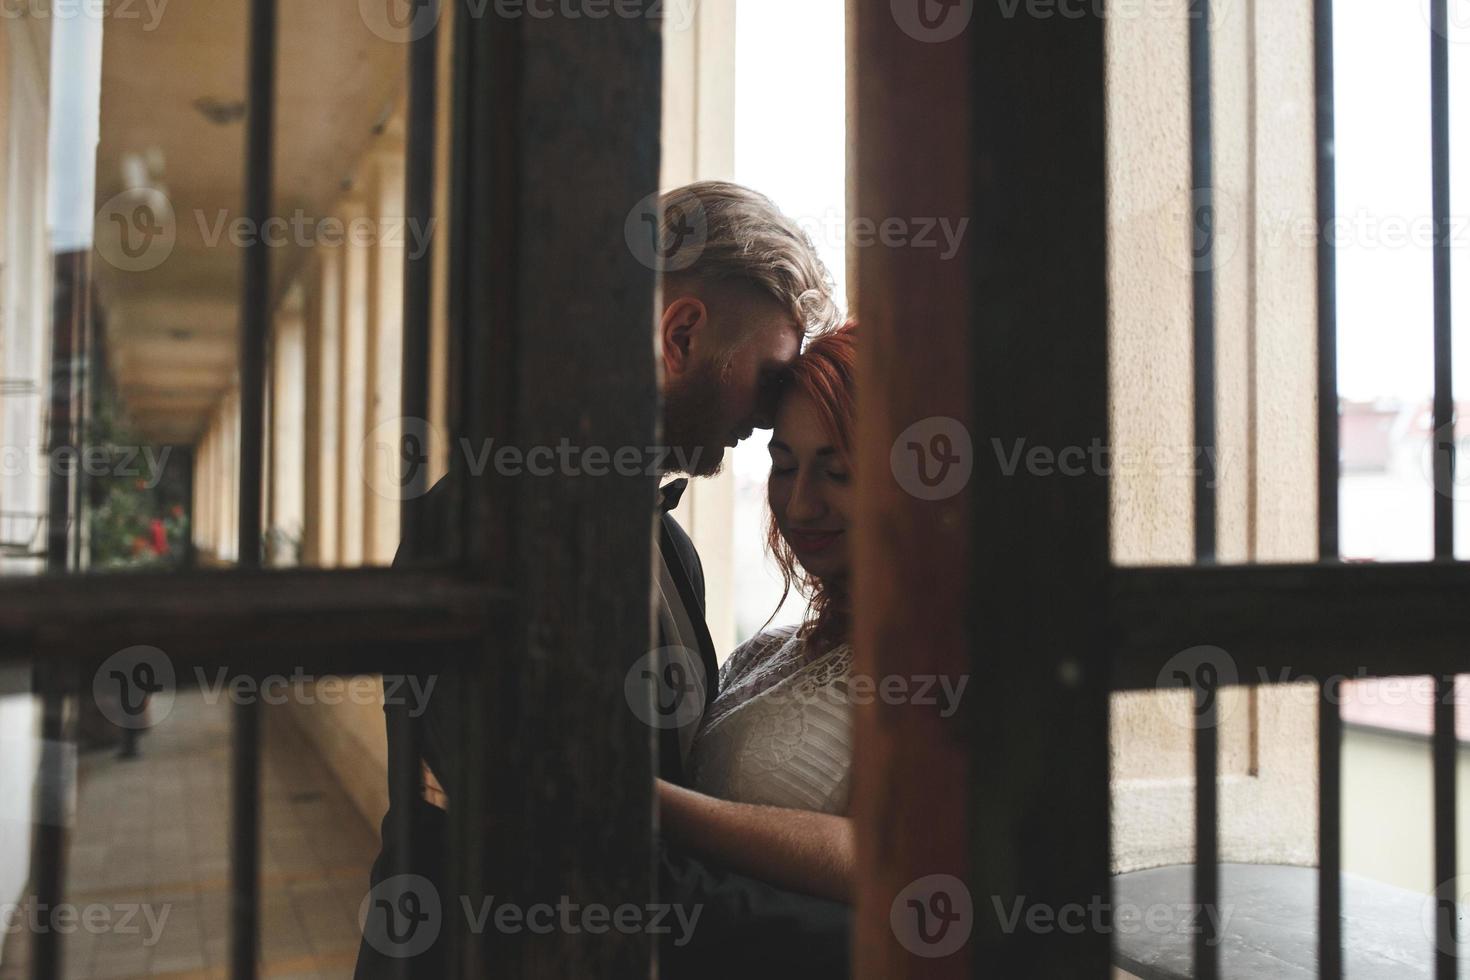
<point x="741" y="289"/>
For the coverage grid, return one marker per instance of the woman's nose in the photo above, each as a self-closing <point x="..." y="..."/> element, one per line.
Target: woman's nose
<point x="806" y="502"/>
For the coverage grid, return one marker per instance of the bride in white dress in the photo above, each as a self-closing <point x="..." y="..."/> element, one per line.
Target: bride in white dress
<point x="770" y="767"/>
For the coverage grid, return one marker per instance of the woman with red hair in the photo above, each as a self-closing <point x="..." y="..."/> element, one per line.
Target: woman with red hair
<point x="770" y="768"/>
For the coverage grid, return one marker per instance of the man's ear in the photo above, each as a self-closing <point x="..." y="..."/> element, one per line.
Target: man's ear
<point x="680" y="331"/>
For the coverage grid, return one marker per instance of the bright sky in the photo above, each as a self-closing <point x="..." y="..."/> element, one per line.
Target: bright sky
<point x="790" y="115"/>
<point x="790" y="144"/>
<point x="1385" y="302"/>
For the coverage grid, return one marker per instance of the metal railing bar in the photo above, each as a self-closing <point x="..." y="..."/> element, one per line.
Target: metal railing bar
<point x="1328" y="436"/>
<point x="1329" y="830"/>
<point x="418" y="264"/>
<point x="1446" y="854"/>
<point x="1203" y="227"/>
<point x="419" y="179"/>
<point x="255" y="316"/>
<point x="1444" y="397"/>
<point x="1206" y="835"/>
<point x="1291" y="622"/>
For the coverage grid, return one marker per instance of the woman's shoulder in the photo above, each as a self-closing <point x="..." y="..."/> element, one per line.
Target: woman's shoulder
<point x="757" y="650"/>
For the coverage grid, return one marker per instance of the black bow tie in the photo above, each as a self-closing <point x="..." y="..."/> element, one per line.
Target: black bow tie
<point x="669" y="494"/>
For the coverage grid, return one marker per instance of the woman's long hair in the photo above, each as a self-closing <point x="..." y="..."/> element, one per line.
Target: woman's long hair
<point x="824" y="373"/>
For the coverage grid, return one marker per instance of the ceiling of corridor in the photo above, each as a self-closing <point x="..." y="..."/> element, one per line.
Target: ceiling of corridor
<point x="173" y="90"/>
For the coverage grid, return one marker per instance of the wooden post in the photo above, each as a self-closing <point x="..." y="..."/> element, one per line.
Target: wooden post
<point x="556" y="142"/>
<point x="964" y="569"/>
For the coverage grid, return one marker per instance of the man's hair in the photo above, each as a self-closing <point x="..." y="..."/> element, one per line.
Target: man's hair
<point x="718" y="232"/>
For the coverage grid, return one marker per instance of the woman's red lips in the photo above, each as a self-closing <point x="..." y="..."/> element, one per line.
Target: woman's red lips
<point x="813" y="540"/>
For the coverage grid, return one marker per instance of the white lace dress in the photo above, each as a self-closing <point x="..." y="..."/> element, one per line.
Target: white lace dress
<point x="780" y="731"/>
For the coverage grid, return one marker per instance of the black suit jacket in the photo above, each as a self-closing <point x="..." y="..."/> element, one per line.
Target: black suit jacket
<point x="746" y="928"/>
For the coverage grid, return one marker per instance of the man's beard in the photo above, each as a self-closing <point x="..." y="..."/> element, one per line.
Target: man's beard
<point x="692" y="419"/>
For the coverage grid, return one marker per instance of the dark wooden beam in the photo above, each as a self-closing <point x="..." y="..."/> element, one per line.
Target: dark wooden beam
<point x="1040" y="794"/>
<point x="251" y="621"/>
<point x="1293" y="622"/>
<point x="557" y="135"/>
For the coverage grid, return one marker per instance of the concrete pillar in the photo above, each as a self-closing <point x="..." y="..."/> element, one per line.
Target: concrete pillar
<point x="353" y="382"/>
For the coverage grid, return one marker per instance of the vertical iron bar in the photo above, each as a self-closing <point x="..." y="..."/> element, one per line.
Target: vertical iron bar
<point x="52" y="680"/>
<point x="1444" y="398"/>
<point x="470" y="411"/>
<point x="1204" y="225"/>
<point x="418" y="264"/>
<point x="1445" y="740"/>
<point x="255" y="313"/>
<point x="423" y="74"/>
<point x="1329" y="831"/>
<point x="1446" y="961"/>
<point x="1203" y="229"/>
<point x="1329" y="717"/>
<point x="1328" y="467"/>
<point x="1206" y="836"/>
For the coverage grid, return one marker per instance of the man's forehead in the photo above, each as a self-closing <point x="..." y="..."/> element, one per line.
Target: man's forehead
<point x="784" y="345"/>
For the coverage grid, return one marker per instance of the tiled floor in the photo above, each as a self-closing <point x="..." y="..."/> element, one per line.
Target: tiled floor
<point x="152" y="835"/>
